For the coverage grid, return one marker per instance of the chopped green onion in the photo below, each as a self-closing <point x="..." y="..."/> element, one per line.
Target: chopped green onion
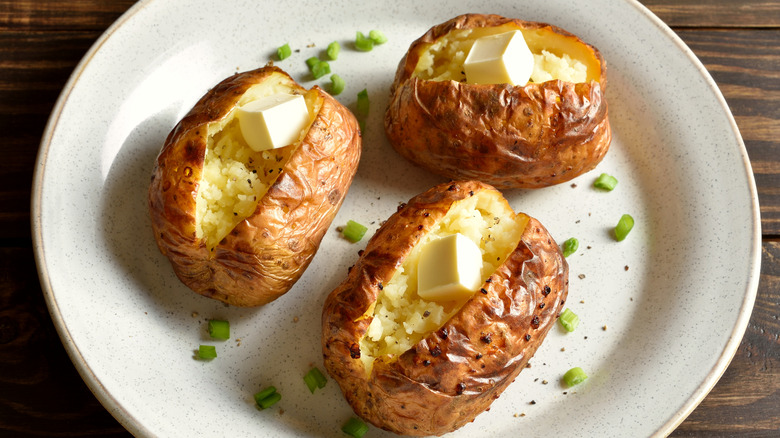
<point x="267" y="397"/>
<point x="574" y="376"/>
<point x="355" y="427"/>
<point x="363" y="43"/>
<point x="569" y="320"/>
<point x="337" y="85"/>
<point x="363" y="103"/>
<point x="333" y="50"/>
<point x="267" y="392"/>
<point x="311" y="62"/>
<point x="284" y="51"/>
<point x="605" y="182"/>
<point x="207" y="352"/>
<point x="270" y="400"/>
<point x="623" y="227"/>
<point x="354" y="231"/>
<point x="320" y="69"/>
<point x="570" y="246"/>
<point x="377" y="37"/>
<point x="219" y="329"/>
<point x="315" y="379"/>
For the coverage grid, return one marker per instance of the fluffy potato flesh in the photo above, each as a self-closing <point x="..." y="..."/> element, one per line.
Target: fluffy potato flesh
<point x="235" y="176"/>
<point x="401" y="318"/>
<point x="555" y="56"/>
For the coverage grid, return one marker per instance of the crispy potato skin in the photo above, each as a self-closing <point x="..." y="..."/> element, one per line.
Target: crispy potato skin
<point x="529" y="136"/>
<point x="473" y="356"/>
<point x="264" y="255"/>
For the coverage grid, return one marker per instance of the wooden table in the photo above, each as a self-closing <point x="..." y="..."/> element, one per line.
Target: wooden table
<point x="41" y="394"/>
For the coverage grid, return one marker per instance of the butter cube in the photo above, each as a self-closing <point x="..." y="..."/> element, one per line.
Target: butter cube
<point x="450" y="268"/>
<point x="499" y="59"/>
<point x="273" y="121"/>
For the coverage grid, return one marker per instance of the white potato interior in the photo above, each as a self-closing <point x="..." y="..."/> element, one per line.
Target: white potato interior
<point x="555" y="56"/>
<point x="400" y="317"/>
<point x="235" y="177"/>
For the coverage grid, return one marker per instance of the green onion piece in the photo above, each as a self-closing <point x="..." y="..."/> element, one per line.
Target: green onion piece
<point x="569" y="320"/>
<point x="362" y="125"/>
<point x="207" y="352"/>
<point x="574" y="376"/>
<point x="311" y="62"/>
<point x="315" y="379"/>
<point x="363" y="43"/>
<point x="269" y="401"/>
<point x="219" y="329"/>
<point x="310" y="382"/>
<point x="264" y="394"/>
<point x="354" y="231"/>
<point x="320" y="69"/>
<point x="570" y="246"/>
<point x="284" y="51"/>
<point x="377" y="37"/>
<point x="362" y="103"/>
<point x="355" y="427"/>
<point x="605" y="182"/>
<point x="623" y="227"/>
<point x="337" y="85"/>
<point x="333" y="50"/>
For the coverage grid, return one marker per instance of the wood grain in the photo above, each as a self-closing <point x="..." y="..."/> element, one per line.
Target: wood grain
<point x="716" y="13"/>
<point x="41" y="41"/>
<point x="746" y="400"/>
<point x="746" y="66"/>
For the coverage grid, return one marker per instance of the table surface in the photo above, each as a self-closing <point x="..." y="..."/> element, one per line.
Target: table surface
<point x="41" y="41"/>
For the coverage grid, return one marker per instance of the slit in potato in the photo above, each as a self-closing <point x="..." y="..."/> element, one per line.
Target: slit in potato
<point x="235" y="177"/>
<point x="400" y="318"/>
<point x="556" y="56"/>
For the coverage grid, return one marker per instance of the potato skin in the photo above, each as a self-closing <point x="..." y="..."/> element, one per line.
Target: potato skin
<point x="473" y="356"/>
<point x="264" y="255"/>
<point x="529" y="136"/>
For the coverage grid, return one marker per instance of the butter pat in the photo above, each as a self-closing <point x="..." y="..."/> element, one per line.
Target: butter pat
<point x="273" y="121"/>
<point x="499" y="59"/>
<point x="450" y="268"/>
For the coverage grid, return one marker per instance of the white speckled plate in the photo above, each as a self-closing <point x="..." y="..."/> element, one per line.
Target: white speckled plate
<point x="662" y="312"/>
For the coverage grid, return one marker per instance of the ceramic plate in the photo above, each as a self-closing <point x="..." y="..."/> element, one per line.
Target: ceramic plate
<point x="662" y="312"/>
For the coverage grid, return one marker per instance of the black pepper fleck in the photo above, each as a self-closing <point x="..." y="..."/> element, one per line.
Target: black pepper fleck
<point x="546" y="291"/>
<point x="483" y="291"/>
<point x="486" y="338"/>
<point x="460" y="388"/>
<point x="527" y="337"/>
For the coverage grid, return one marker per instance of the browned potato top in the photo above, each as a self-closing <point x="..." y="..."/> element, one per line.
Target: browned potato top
<point x="458" y="368"/>
<point x="250" y="247"/>
<point x="524" y="136"/>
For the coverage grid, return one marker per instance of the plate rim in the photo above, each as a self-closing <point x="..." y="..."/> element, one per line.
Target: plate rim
<point x="135" y="427"/>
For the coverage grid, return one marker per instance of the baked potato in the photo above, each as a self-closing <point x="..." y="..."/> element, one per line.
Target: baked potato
<point x="417" y="367"/>
<point x="241" y="226"/>
<point x="532" y="135"/>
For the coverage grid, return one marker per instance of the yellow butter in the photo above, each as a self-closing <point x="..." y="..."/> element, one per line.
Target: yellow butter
<point x="273" y="121"/>
<point x="499" y="59"/>
<point x="449" y="269"/>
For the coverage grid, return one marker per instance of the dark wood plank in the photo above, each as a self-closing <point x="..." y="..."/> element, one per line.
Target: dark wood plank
<point x="41" y="394"/>
<point x="746" y="66"/>
<point x="56" y="15"/>
<point x="745" y="401"/>
<point x="716" y="13"/>
<point x="34" y="67"/>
